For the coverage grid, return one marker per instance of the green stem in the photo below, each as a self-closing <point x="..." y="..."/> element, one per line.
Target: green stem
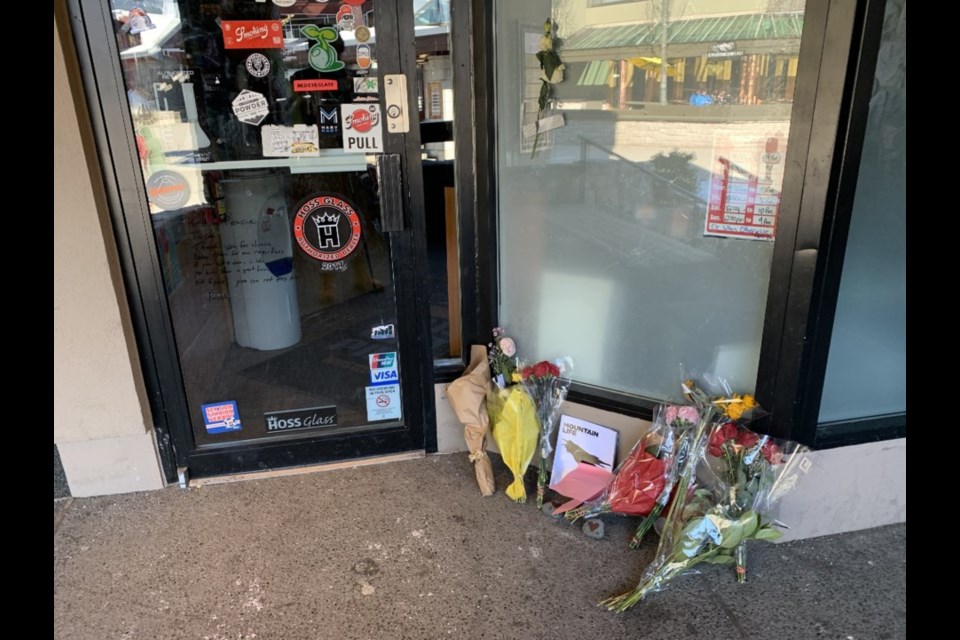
<point x="742" y="562"/>
<point x="541" y="480"/>
<point x="585" y="511"/>
<point x="627" y="600"/>
<point x="645" y="525"/>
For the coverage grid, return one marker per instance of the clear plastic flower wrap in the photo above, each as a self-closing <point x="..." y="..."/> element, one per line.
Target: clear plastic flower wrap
<point x="515" y="431"/>
<point x="726" y="487"/>
<point x="638" y="481"/>
<point x="547" y="384"/>
<point x="675" y="424"/>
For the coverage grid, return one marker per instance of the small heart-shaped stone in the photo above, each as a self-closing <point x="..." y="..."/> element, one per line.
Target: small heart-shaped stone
<point x="593" y="529"/>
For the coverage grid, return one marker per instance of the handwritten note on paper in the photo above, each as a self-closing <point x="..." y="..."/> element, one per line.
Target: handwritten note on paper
<point x="288" y="142"/>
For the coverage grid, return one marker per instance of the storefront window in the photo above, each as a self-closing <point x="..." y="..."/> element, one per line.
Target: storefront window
<point x="638" y="208"/>
<point x="866" y="368"/>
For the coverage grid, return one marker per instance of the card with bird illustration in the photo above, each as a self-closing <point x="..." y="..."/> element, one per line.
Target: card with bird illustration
<point x="582" y="441"/>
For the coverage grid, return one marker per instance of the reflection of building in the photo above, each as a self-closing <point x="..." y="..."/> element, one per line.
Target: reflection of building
<point x="742" y="51"/>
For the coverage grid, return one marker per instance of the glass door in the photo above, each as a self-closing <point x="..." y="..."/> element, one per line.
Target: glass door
<point x="288" y="271"/>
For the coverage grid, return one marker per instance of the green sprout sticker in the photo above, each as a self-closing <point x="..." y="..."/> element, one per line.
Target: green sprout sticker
<point x="322" y="56"/>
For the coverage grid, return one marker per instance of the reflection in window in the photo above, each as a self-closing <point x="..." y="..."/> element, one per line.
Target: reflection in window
<point x="866" y="368"/>
<point x="639" y="236"/>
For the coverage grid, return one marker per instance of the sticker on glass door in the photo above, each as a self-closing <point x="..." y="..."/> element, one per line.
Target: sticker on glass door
<point x="383" y="368"/>
<point x="327" y="228"/>
<point x="221" y="417"/>
<point x="362" y="131"/>
<point x="383" y="402"/>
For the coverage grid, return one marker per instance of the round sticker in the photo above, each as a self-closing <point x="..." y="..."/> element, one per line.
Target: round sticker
<point x="363" y="120"/>
<point x="168" y="190"/>
<point x="362" y="34"/>
<point x="327" y="228"/>
<point x="257" y="65"/>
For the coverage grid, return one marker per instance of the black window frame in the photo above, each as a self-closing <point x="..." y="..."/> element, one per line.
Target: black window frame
<point x="839" y="49"/>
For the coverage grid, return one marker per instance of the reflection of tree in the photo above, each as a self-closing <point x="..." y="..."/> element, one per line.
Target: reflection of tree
<point x="674" y="167"/>
<point x="661" y="12"/>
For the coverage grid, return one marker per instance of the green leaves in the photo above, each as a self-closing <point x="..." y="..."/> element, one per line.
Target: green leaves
<point x="733" y="532"/>
<point x="549" y="62"/>
<point x="768" y="534"/>
<point x="720" y="559"/>
<point x="544" y="96"/>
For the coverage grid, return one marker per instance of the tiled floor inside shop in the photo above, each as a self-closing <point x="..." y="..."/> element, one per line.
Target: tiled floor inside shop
<point x="411" y="550"/>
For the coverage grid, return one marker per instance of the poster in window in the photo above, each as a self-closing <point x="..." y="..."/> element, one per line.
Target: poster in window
<point x="745" y="183"/>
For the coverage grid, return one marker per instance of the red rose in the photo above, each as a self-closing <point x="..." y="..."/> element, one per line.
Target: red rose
<point x="554" y="370"/>
<point x="715" y="443"/>
<point x="730" y="431"/>
<point x="771" y="453"/>
<point x="747" y="438"/>
<point x="540" y="370"/>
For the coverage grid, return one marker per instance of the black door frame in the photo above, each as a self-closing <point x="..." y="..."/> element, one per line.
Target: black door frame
<point x="112" y="127"/>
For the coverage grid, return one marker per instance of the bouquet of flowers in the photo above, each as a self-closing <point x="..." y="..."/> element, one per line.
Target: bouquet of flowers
<point x="636" y="485"/>
<point x="468" y="397"/>
<point x="501" y="354"/>
<point x="547" y="383"/>
<point x="515" y="432"/>
<point x="675" y="423"/>
<point x="721" y="500"/>
<point x="750" y="478"/>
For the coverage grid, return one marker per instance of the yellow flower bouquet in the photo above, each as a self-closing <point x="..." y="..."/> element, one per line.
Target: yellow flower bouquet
<point x="516" y="432"/>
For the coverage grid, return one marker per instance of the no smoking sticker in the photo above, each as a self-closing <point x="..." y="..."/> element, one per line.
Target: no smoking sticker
<point x="383" y="402"/>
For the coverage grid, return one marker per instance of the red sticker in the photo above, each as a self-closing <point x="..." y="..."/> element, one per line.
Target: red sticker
<point x="302" y="86"/>
<point x="362" y="120"/>
<point x="252" y="34"/>
<point x="327" y="228"/>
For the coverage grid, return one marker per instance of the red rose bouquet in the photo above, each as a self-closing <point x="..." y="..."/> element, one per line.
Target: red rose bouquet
<point x="547" y="383"/>
<point x="676" y="423"/>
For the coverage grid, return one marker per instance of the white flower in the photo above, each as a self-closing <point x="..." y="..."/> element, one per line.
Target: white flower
<point x="508" y="346"/>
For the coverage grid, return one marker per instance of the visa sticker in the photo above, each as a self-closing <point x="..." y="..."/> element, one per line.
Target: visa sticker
<point x="383" y="368"/>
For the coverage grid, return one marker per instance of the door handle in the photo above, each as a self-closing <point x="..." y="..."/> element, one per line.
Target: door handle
<point x="390" y="181"/>
<point x="395" y="95"/>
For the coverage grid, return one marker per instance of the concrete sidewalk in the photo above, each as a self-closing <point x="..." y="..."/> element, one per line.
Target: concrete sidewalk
<point x="411" y="550"/>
